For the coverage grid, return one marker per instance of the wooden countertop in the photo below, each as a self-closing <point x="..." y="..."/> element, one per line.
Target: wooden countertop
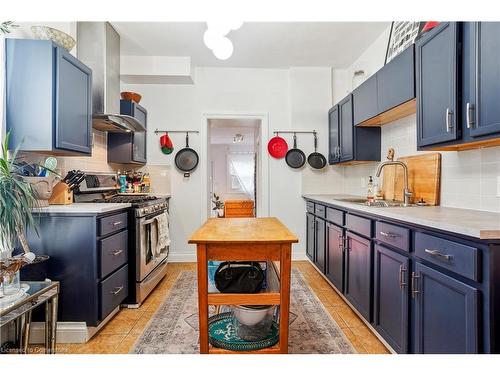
<point x="243" y="230"/>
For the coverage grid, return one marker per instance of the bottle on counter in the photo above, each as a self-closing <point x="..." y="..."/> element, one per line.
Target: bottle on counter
<point x="146" y="183"/>
<point x="122" y="180"/>
<point x="370" y="194"/>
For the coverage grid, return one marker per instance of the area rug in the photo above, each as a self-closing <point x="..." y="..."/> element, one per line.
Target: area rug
<point x="174" y="327"/>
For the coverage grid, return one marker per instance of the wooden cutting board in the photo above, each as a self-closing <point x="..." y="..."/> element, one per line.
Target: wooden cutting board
<point x="424" y="179"/>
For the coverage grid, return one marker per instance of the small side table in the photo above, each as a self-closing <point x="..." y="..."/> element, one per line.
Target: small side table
<point x="19" y="311"/>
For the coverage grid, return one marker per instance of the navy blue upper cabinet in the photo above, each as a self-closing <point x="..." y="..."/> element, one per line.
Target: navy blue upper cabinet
<point x="358" y="277"/>
<point x="396" y="81"/>
<point x="335" y="255"/>
<point x="48" y="98"/>
<point x="346" y="125"/>
<point x="483" y="109"/>
<point x="365" y="100"/>
<point x="334" y="135"/>
<point x="436" y="82"/>
<point x="445" y="313"/>
<point x="129" y="147"/>
<point x="391" y="297"/>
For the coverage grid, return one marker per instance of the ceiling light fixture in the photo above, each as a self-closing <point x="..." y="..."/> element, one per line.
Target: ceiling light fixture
<point x="238" y="138"/>
<point x="216" y="40"/>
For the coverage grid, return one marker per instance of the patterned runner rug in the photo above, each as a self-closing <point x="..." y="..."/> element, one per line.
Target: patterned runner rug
<point x="174" y="327"/>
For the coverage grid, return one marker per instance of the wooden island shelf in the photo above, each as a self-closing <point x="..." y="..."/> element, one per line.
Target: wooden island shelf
<point x="245" y="239"/>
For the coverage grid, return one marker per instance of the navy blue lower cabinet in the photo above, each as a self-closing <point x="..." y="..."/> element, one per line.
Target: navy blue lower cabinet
<point x="310" y="234"/>
<point x="391" y="302"/>
<point x="445" y="313"/>
<point x="358" y="273"/>
<point x="320" y="253"/>
<point x="335" y="255"/>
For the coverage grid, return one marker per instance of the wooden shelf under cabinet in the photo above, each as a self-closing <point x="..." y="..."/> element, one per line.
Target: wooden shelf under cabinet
<point x="393" y="114"/>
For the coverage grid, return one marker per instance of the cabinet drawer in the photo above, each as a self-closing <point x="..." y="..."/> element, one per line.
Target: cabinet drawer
<point x="112" y="224"/>
<point x="320" y="210"/>
<point x="393" y="235"/>
<point x="113" y="252"/>
<point x="359" y="225"/>
<point x="310" y="207"/>
<point x="335" y="216"/>
<point x="456" y="257"/>
<point x="113" y="291"/>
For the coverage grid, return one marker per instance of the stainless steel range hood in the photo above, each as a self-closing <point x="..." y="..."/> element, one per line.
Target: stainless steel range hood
<point x="98" y="46"/>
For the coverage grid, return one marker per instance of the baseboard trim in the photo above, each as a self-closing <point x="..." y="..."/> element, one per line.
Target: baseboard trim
<point x="191" y="257"/>
<point x="67" y="333"/>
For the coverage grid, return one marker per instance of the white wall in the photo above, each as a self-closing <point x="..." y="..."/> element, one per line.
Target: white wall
<point x="293" y="99"/>
<point x="468" y="179"/>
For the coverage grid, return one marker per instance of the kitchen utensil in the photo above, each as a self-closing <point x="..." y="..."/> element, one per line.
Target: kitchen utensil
<point x="68" y="176"/>
<point x="129" y="95"/>
<point x="49" y="165"/>
<point x="295" y="158"/>
<point x="424" y="176"/>
<point x="166" y="144"/>
<point x="79" y="179"/>
<point x="186" y="160"/>
<point x="251" y="315"/>
<point x="315" y="159"/>
<point x="61" y="194"/>
<point x="277" y="147"/>
<point x="57" y="36"/>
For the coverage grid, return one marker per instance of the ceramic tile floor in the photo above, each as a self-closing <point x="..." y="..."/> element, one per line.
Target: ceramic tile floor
<point x="118" y="336"/>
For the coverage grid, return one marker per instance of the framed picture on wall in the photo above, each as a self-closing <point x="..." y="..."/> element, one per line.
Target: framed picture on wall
<point x="403" y="34"/>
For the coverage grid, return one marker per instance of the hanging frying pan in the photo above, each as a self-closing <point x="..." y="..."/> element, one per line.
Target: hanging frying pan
<point x="166" y="144"/>
<point x="186" y="160"/>
<point x="277" y="147"/>
<point x="295" y="158"/>
<point x="315" y="159"/>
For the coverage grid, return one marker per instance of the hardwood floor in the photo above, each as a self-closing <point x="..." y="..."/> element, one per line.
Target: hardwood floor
<point x="118" y="336"/>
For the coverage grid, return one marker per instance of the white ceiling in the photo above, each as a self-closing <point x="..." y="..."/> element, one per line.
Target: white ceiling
<point x="256" y="44"/>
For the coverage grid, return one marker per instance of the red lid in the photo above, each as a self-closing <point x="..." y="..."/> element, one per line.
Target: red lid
<point x="165" y="141"/>
<point x="277" y="147"/>
<point x="429" y="25"/>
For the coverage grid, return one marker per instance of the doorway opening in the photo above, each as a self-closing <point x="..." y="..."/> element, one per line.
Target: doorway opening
<point x="233" y="167"/>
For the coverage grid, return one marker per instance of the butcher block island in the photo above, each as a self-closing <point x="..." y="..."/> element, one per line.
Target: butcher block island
<point x="245" y="239"/>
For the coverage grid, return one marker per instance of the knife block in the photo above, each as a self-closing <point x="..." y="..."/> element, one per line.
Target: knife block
<point x="61" y="194"/>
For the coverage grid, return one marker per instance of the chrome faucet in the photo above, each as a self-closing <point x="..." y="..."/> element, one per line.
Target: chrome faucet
<point x="406" y="193"/>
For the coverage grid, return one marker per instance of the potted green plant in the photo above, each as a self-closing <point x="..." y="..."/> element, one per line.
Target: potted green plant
<point x="17" y="205"/>
<point x="218" y="206"/>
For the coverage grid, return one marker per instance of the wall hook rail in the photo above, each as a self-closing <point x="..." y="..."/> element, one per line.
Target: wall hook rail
<point x="278" y="132"/>
<point x="160" y="131"/>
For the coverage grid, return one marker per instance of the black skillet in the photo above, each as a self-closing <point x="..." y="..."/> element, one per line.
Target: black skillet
<point x="295" y="157"/>
<point x="186" y="160"/>
<point x="315" y="159"/>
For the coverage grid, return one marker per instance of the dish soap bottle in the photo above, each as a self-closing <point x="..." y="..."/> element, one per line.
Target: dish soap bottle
<point x="370" y="194"/>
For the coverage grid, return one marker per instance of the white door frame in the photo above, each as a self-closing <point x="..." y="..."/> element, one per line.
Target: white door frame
<point x="262" y="179"/>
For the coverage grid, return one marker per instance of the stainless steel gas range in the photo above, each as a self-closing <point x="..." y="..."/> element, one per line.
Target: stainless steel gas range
<point x="148" y="232"/>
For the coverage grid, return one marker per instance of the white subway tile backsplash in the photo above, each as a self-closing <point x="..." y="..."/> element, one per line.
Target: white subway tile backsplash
<point x="468" y="178"/>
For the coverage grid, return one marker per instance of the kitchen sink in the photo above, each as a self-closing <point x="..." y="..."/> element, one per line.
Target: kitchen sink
<point x="378" y="203"/>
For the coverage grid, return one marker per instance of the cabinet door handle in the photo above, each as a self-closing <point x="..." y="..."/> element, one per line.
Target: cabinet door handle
<point x="341" y="242"/>
<point x="414" y="286"/>
<point x="117" y="290"/>
<point x="388" y="234"/>
<point x="469" y="119"/>
<point x="437" y="253"/>
<point x="116" y="223"/>
<point x="402" y="270"/>
<point x="116" y="252"/>
<point x="449" y="125"/>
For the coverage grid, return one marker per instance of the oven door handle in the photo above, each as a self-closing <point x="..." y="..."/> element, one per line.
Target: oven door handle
<point x="146" y="222"/>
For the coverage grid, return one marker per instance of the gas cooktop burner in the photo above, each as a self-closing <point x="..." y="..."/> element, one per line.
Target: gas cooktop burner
<point x="127" y="199"/>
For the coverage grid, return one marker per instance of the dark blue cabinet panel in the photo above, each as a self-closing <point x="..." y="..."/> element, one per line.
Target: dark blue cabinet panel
<point x="396" y="81"/>
<point x="310" y="234"/>
<point x="436" y="83"/>
<point x="365" y="100"/>
<point x="445" y="313"/>
<point x="320" y="248"/>
<point x="483" y="108"/>
<point x="346" y="129"/>
<point x="391" y="297"/>
<point x="358" y="273"/>
<point x="334" y="135"/>
<point x="48" y="98"/>
<point x="335" y="255"/>
<point x="129" y="147"/>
